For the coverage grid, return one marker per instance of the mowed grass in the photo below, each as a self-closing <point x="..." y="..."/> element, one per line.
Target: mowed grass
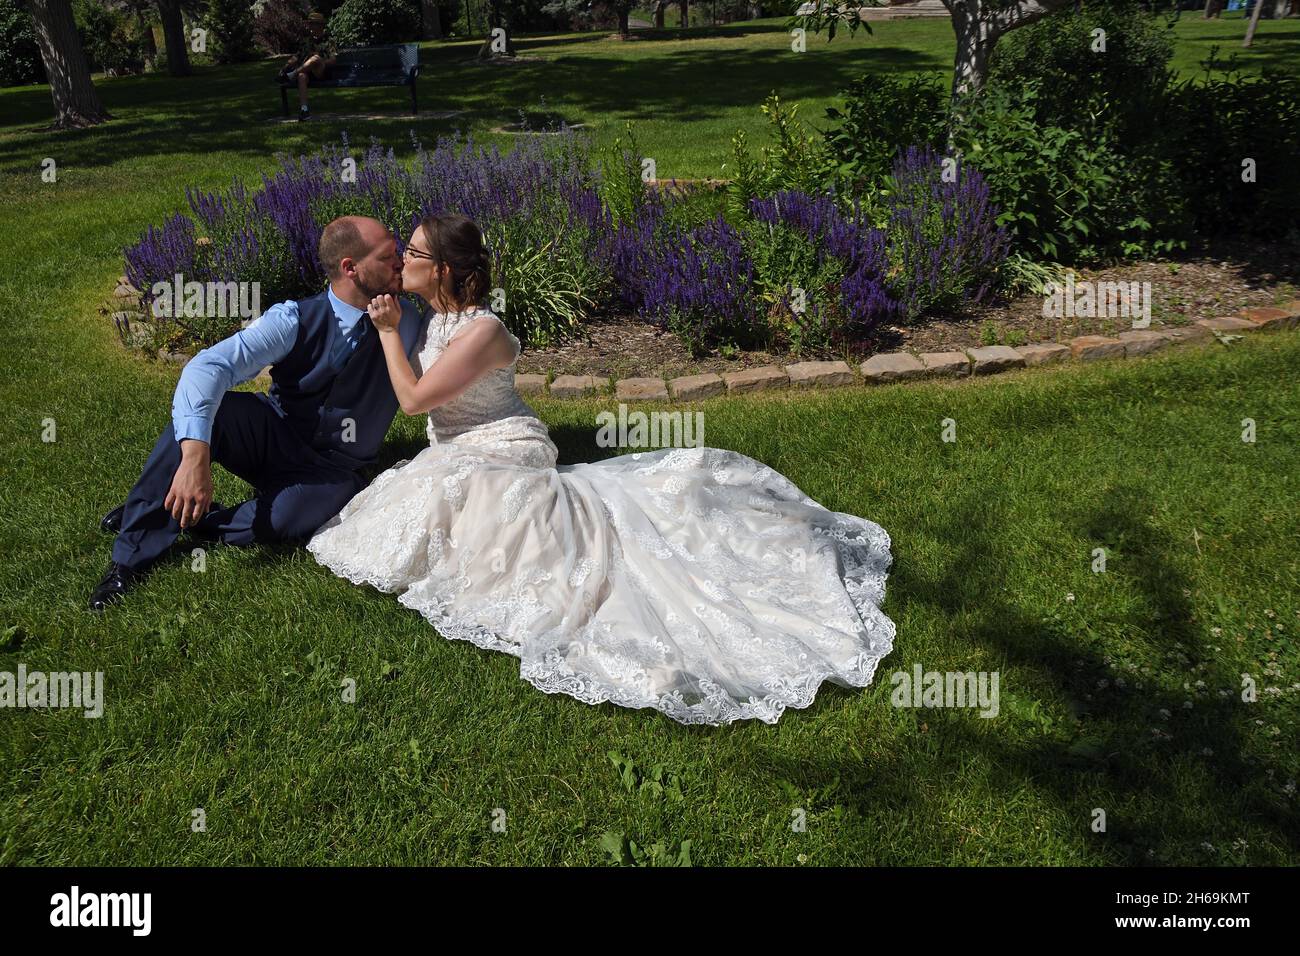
<point x="223" y="687"/>
<point x="687" y="94"/>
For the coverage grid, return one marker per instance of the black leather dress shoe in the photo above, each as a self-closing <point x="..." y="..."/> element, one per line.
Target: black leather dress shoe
<point x="117" y="581"/>
<point x="112" y="522"/>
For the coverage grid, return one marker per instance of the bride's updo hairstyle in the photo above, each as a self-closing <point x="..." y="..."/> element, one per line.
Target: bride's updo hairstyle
<point x="457" y="241"/>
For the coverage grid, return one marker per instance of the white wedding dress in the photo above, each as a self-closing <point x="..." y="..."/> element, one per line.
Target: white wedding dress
<point x="696" y="581"/>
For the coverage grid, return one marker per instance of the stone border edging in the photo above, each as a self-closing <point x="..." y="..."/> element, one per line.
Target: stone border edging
<point x="878" y="369"/>
<point x="904" y="366"/>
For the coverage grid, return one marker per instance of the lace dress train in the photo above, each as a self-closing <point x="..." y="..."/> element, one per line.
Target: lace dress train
<point x="695" y="581"/>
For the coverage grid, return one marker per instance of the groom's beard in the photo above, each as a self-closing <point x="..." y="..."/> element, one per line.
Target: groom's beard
<point x="373" y="289"/>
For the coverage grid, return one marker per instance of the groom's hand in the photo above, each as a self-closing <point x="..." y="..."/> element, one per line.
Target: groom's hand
<point x="190" y="495"/>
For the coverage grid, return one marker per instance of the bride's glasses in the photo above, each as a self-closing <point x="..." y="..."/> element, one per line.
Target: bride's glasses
<point x="414" y="253"/>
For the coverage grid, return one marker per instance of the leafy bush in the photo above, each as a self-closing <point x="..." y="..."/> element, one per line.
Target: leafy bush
<point x="358" y="23"/>
<point x="796" y="160"/>
<point x="20" y="57"/>
<point x="826" y="270"/>
<point x="1115" y="88"/>
<point x="1105" y="183"/>
<point x="1211" y="127"/>
<point x="879" y="114"/>
<point x="231" y="24"/>
<point x="113" y="43"/>
<point x="281" y="26"/>
<point x="1061" y="192"/>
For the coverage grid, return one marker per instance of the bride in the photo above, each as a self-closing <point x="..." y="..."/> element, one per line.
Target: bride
<point x="695" y="581"/>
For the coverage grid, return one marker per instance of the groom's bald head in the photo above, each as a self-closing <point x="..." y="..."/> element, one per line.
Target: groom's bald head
<point x="360" y="256"/>
<point x="349" y="237"/>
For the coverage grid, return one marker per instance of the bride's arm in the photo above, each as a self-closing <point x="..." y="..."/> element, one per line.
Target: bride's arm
<point x="482" y="347"/>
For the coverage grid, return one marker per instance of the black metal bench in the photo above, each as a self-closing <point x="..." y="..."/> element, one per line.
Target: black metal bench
<point x="397" y="65"/>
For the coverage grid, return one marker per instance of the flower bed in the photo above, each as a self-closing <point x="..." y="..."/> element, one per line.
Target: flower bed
<point x="576" y="235"/>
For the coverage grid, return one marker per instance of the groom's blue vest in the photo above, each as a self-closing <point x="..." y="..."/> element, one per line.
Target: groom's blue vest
<point x="342" y="415"/>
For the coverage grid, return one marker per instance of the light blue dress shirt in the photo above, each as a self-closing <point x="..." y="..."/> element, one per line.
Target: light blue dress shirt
<point x="206" y="377"/>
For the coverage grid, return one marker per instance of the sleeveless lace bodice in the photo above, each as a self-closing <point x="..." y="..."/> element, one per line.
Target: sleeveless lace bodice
<point x="490" y="409"/>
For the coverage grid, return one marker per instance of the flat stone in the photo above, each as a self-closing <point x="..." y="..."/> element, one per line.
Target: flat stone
<point x="1188" y="333"/>
<point x="1291" y="308"/>
<point x="573" y="386"/>
<point x="892" y="367"/>
<point x="756" y="379"/>
<point x="1269" y="318"/>
<point x="1142" y="341"/>
<point x="638" y="389"/>
<point x="138" y="335"/>
<point x="1089" y="348"/>
<point x="946" y="363"/>
<point x="1227" y="325"/>
<point x="176" y="358"/>
<point x="1043" y="353"/>
<point x="688" y="387"/>
<point x="125" y="291"/>
<point x="528" y="384"/>
<point x="819" y="374"/>
<point x="988" y="359"/>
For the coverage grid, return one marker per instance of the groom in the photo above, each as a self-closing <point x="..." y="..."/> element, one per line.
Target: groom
<point x="302" y="446"/>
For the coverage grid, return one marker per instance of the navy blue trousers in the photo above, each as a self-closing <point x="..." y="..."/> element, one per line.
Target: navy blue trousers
<point x="297" y="490"/>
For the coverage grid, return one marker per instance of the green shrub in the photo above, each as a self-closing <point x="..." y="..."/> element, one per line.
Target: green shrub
<point x="795" y="160"/>
<point x="797" y="283"/>
<point x="879" y="116"/>
<point x="231" y="25"/>
<point x="358" y="23"/>
<point x="1212" y="126"/>
<point x="1059" y="191"/>
<point x="20" y="57"/>
<point x="113" y="43"/>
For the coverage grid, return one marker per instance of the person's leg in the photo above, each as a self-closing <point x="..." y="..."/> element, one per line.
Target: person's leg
<point x="289" y="508"/>
<point x="246" y="435"/>
<point x="311" y="67"/>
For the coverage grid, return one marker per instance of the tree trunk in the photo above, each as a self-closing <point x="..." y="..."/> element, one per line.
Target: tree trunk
<point x="178" y="50"/>
<point x="1212" y="9"/>
<point x="660" y="7"/>
<point x="150" y="44"/>
<point x="1254" y="22"/>
<point x="684" y="13"/>
<point x="975" y="41"/>
<point x="494" y="21"/>
<point x="76" y="102"/>
<point x="431" y="19"/>
<point x="623" y="28"/>
<point x="977" y="25"/>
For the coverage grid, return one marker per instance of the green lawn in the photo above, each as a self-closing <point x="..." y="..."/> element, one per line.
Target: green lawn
<point x="222" y="687"/>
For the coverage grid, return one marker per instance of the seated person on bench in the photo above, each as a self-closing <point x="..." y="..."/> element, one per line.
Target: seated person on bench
<point x="313" y="61"/>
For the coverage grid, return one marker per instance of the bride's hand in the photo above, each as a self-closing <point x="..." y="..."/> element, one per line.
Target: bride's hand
<point x="385" y="312"/>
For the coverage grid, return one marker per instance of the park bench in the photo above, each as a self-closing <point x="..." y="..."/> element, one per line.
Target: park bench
<point x="397" y="65"/>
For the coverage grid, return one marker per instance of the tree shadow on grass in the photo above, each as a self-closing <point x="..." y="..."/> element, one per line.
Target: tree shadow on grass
<point x="229" y="108"/>
<point x="1110" y="736"/>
